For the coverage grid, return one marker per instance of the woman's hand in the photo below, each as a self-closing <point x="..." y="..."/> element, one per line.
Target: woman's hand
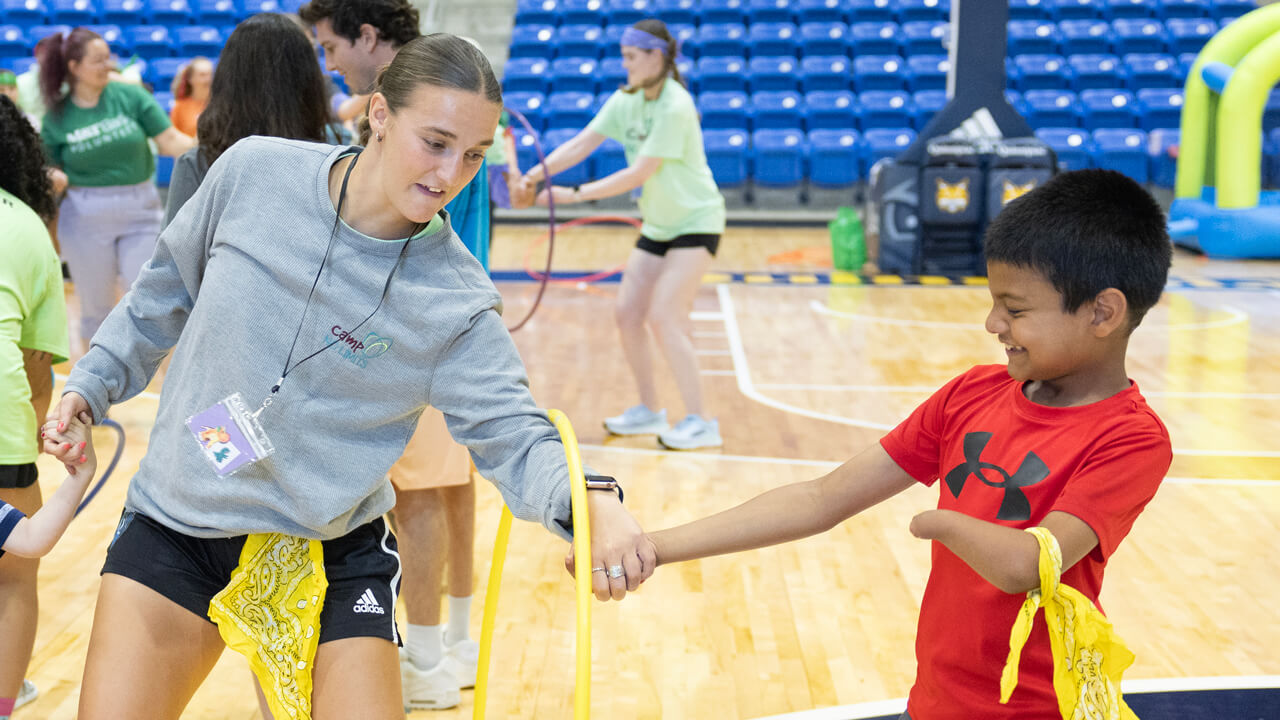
<point x="561" y="194"/>
<point x="622" y="555"/>
<point x="521" y="191"/>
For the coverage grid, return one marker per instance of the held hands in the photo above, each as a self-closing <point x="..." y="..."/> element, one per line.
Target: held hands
<point x="521" y="190"/>
<point x="72" y="444"/>
<point x="562" y="195"/>
<point x="622" y="555"/>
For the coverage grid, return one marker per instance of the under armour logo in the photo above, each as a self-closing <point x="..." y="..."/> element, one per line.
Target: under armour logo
<point x="1015" y="505"/>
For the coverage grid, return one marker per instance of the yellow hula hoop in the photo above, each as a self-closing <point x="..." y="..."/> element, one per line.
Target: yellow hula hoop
<point x="582" y="581"/>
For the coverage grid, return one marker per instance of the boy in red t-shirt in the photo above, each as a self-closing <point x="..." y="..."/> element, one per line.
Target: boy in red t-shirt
<point x="1060" y="438"/>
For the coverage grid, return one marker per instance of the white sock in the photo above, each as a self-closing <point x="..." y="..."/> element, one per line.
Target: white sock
<point x="424" y="645"/>
<point x="459" y="620"/>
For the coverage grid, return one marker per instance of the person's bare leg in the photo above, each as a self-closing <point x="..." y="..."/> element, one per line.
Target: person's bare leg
<point x="356" y="678"/>
<point x="668" y="318"/>
<point x="19" y="606"/>
<point x="421" y="537"/>
<point x="460" y="517"/>
<point x="147" y="655"/>
<point x="634" y="297"/>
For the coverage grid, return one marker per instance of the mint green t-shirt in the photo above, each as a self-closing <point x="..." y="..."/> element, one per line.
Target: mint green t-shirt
<point x="106" y="145"/>
<point x="33" y="315"/>
<point x="681" y="198"/>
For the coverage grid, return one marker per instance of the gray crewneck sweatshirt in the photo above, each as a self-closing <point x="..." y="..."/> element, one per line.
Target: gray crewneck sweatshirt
<point x="226" y="289"/>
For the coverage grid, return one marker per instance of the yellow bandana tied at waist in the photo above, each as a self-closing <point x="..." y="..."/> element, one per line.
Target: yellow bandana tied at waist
<point x="1088" y="656"/>
<point x="270" y="613"/>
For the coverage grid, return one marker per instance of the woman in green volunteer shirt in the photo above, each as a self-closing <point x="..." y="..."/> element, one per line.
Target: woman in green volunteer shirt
<point x="96" y="130"/>
<point x="655" y="120"/>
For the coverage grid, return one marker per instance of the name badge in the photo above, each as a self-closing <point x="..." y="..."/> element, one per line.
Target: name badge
<point x="229" y="436"/>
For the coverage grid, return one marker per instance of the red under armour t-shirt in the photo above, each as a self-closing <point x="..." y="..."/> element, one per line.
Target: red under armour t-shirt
<point x="1007" y="460"/>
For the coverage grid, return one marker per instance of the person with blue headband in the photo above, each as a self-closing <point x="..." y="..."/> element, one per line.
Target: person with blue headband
<point x="655" y="119"/>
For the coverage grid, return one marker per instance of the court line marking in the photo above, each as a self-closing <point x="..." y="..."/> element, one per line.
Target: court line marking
<point x="1237" y="317"/>
<point x="711" y="352"/>
<point x="1155" y="685"/>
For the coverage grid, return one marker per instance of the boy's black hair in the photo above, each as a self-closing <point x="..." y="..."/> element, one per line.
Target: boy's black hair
<point x="1086" y="231"/>
<point x="395" y="20"/>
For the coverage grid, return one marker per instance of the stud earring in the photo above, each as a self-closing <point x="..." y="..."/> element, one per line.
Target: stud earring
<point x="379" y="137"/>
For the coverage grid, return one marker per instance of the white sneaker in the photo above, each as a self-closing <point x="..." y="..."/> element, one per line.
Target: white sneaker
<point x="638" y="420"/>
<point x="26" y="694"/>
<point x="433" y="689"/>
<point x="691" y="433"/>
<point x="463" y="658"/>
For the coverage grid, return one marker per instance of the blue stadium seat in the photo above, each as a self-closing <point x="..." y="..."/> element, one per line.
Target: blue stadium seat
<point x="677" y="12"/>
<point x="778" y="158"/>
<point x="199" y="40"/>
<point x="1138" y="36"/>
<point x="576" y="175"/>
<point x="630" y="12"/>
<point x="723" y="11"/>
<point x="879" y="72"/>
<point x="532" y="41"/>
<point x="1122" y="150"/>
<point x="24" y="13"/>
<point x="879" y="143"/>
<point x="777" y="110"/>
<point x="574" y="74"/>
<point x="772" y="39"/>
<point x="254" y="7"/>
<point x="13" y="42"/>
<point x="568" y="110"/>
<point x="930" y="10"/>
<point x="579" y="41"/>
<point x="526" y="154"/>
<point x="612" y="73"/>
<point x="834" y="158"/>
<point x="1231" y="9"/>
<point x="831" y="109"/>
<point x="161" y="71"/>
<point x="115" y="39"/>
<point x="1042" y="72"/>
<point x="1028" y="10"/>
<point x="875" y="38"/>
<point x="526" y="75"/>
<point x="123" y="12"/>
<point x="870" y="10"/>
<point x="1095" y="71"/>
<point x="925" y="37"/>
<point x="1170" y="9"/>
<point x="583" y="12"/>
<point x="601" y="99"/>
<point x="611" y="40"/>
<point x="1187" y="35"/>
<point x="150" y="41"/>
<point x="74" y="12"/>
<point x="721" y="74"/>
<point x="164" y="170"/>
<point x="170" y="12"/>
<point x="831" y="72"/>
<point x="684" y="35"/>
<point x="1160" y="108"/>
<point x="770" y="11"/>
<point x="1051" y="108"/>
<point x="927" y="104"/>
<point x="722" y="39"/>
<point x="1162" y="155"/>
<point x="824" y="39"/>
<point x="1085" y="37"/>
<point x="165" y="100"/>
<point x="1105" y="108"/>
<point x="728" y="155"/>
<point x="528" y="104"/>
<point x="609" y="158"/>
<point x="1032" y="37"/>
<point x="36" y="33"/>
<point x="1271" y="111"/>
<point x="18" y="65"/>
<point x="724" y="110"/>
<point x="773" y="73"/>
<point x="1075" y="9"/>
<point x="217" y="12"/>
<point x="1073" y="146"/>
<point x="1270" y="160"/>
<point x="927" y="72"/>
<point x="537" y="12"/>
<point x="890" y="109"/>
<point x="1135" y="9"/>
<point x="1149" y="70"/>
<point x="820" y="11"/>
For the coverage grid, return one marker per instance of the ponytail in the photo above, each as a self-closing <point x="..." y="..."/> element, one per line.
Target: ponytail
<point x="55" y="53"/>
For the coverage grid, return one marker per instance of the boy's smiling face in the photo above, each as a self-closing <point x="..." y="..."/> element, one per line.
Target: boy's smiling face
<point x="1042" y="340"/>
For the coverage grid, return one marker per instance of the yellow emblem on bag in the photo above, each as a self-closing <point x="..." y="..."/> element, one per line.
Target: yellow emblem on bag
<point x="953" y="198"/>
<point x="270" y="613"/>
<point x="1088" y="656"/>
<point x="1011" y="191"/>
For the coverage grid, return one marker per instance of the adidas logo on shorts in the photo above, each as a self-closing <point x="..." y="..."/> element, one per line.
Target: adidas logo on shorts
<point x="368" y="604"/>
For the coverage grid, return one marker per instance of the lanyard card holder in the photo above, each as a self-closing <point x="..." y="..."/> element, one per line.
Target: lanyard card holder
<point x="229" y="436"/>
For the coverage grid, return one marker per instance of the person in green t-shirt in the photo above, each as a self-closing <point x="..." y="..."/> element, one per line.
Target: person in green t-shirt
<point x="33" y="336"/>
<point x="655" y="120"/>
<point x="96" y="131"/>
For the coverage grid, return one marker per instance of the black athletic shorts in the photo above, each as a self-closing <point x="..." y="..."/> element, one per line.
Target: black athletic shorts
<point x="362" y="567"/>
<point x="656" y="247"/>
<point x="18" y="476"/>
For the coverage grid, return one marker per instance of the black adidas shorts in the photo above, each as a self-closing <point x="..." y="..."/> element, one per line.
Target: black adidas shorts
<point x="18" y="476"/>
<point x="656" y="247"/>
<point x="362" y="567"/>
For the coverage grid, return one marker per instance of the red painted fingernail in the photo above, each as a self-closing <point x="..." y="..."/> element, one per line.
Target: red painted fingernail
<point x="83" y="458"/>
<point x="61" y="426"/>
<point x="86" y="442"/>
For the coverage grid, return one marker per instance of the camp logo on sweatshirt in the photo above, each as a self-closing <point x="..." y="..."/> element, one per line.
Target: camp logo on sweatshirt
<point x="358" y="349"/>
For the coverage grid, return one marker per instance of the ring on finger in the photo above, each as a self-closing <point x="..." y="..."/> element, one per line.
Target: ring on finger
<point x="616" y="571"/>
<point x="596" y="570"/>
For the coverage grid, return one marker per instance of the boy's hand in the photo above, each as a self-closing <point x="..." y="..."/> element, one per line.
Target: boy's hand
<point x="80" y="436"/>
<point x="66" y="434"/>
<point x="928" y="524"/>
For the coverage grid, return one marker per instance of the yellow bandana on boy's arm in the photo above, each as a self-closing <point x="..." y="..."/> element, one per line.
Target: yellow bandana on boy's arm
<point x="270" y="613"/>
<point x="1088" y="656"/>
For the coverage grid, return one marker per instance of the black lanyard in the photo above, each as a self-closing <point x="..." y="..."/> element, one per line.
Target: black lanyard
<point x="342" y="196"/>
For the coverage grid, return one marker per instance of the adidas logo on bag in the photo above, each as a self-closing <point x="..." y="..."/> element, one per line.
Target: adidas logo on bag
<point x="368" y="604"/>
